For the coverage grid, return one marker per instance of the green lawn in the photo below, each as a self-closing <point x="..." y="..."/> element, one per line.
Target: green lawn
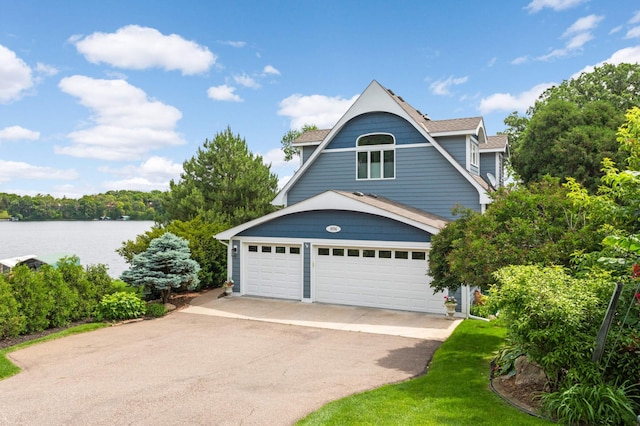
<point x="455" y="390"/>
<point x="8" y="369"/>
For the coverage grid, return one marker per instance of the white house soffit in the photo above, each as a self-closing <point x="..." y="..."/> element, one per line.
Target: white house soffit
<point x="329" y="200"/>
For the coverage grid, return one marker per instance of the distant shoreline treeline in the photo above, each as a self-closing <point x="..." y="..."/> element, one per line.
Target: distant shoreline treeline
<point x="135" y="205"/>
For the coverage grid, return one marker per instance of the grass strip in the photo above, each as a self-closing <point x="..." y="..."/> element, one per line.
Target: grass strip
<point x="8" y="369"/>
<point x="455" y="390"/>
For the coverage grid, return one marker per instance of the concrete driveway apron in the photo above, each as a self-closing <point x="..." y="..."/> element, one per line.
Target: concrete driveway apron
<point x="208" y="365"/>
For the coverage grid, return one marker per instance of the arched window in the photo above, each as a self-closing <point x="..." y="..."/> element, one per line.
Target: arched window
<point x="376" y="156"/>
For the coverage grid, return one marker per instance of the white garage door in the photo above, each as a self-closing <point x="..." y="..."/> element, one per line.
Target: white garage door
<point x="273" y="271"/>
<point x="376" y="277"/>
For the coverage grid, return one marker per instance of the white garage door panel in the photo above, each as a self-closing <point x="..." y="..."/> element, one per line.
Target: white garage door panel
<point x="394" y="283"/>
<point x="274" y="273"/>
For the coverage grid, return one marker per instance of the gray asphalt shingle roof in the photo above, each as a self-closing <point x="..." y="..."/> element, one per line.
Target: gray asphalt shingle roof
<point x="400" y="209"/>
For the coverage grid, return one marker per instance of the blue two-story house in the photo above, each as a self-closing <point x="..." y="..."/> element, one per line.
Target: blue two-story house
<point x="357" y="218"/>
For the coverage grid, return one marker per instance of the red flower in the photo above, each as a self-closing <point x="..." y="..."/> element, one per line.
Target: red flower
<point x="635" y="271"/>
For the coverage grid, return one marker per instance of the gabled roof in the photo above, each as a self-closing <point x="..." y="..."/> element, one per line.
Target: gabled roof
<point x="341" y="200"/>
<point x="377" y="98"/>
<point x="311" y="137"/>
<point x="497" y="143"/>
<point x="455" y="125"/>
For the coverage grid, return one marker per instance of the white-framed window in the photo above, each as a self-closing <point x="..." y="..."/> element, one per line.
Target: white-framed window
<point x="474" y="153"/>
<point x="376" y="156"/>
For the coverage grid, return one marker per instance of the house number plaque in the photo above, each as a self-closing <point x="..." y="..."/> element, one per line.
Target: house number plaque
<point x="333" y="229"/>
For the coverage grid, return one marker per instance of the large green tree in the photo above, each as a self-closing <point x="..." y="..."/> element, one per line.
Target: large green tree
<point x="223" y="183"/>
<point x="538" y="224"/>
<point x="165" y="265"/>
<point x="571" y="128"/>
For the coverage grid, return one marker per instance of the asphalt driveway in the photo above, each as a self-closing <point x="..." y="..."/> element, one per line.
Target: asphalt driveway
<point x="189" y="368"/>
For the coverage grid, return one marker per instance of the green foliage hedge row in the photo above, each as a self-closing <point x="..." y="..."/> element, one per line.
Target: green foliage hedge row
<point x="33" y="301"/>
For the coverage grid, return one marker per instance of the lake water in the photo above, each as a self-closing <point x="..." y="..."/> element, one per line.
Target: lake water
<point x="93" y="242"/>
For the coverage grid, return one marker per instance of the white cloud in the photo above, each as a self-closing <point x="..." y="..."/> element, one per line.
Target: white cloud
<point x="10" y="170"/>
<point x="635" y="18"/>
<point x="633" y="33"/>
<point x="45" y="69"/>
<point x="223" y="93"/>
<point x="233" y="43"/>
<point x="153" y="173"/>
<point x="520" y="60"/>
<point x="586" y="23"/>
<point x="615" y="29"/>
<point x="275" y="158"/>
<point x="135" y="184"/>
<point x="135" y="47"/>
<point x="18" y="133"/>
<point x="630" y="55"/>
<point x="557" y="5"/>
<point x="127" y="123"/>
<point x="15" y="76"/>
<point x="270" y="70"/>
<point x="508" y="102"/>
<point x="442" y="87"/>
<point x="283" y="181"/>
<point x="246" y="81"/>
<point x="323" y="111"/>
<point x="579" y="33"/>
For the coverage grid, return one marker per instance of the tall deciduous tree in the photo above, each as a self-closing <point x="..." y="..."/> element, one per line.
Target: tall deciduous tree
<point x="572" y="126"/>
<point x="530" y="225"/>
<point x="223" y="183"/>
<point x="288" y="138"/>
<point x="165" y="265"/>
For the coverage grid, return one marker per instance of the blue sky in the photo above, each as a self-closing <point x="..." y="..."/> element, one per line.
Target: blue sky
<point x="117" y="94"/>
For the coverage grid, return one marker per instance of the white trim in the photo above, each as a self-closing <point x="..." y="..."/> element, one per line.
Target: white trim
<point x="307" y="143"/>
<point x="326" y="200"/>
<point x="490" y="150"/>
<point x="376" y="98"/>
<point x="352" y="149"/>
<point x="471" y="144"/>
<point x="337" y="243"/>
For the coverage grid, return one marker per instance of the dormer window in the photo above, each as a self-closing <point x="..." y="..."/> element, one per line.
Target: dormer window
<point x="474" y="155"/>
<point x="376" y="156"/>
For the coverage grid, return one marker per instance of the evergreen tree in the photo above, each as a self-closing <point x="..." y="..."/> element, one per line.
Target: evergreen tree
<point x="223" y="183"/>
<point x="165" y="265"/>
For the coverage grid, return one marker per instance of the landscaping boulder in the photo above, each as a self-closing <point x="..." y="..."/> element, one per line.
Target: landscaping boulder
<point x="529" y="374"/>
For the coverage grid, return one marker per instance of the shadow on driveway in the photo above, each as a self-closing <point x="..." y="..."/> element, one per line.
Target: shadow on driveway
<point x="201" y="369"/>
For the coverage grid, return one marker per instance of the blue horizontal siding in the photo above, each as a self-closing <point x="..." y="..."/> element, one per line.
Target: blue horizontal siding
<point x="456" y="146"/>
<point x="488" y="165"/>
<point x="382" y="122"/>
<point x="354" y="226"/>
<point x="423" y="180"/>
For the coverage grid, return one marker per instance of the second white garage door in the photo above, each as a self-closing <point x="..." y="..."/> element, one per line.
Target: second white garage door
<point x="375" y="277"/>
<point x="273" y="271"/>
